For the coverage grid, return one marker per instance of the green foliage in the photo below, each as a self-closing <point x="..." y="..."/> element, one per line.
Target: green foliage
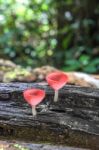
<point x="60" y="33"/>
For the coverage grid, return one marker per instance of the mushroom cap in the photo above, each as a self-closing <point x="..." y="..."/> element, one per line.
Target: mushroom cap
<point x="57" y="80"/>
<point x="34" y="96"/>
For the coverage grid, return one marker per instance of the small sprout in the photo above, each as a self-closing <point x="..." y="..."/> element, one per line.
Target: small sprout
<point x="57" y="80"/>
<point x="34" y="97"/>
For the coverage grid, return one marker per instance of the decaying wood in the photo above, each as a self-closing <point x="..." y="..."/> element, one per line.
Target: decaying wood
<point x="73" y="120"/>
<point x="10" y="72"/>
<point x="16" y="145"/>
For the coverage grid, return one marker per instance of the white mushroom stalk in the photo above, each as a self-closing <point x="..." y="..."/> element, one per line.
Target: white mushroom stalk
<point x="34" y="111"/>
<point x="56" y="95"/>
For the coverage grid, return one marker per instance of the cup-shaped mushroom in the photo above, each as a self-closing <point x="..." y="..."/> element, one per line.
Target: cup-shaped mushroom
<point x="57" y="80"/>
<point x="34" y="97"/>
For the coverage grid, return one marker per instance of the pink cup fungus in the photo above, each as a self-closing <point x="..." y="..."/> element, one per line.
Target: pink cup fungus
<point x="34" y="97"/>
<point x="57" y="80"/>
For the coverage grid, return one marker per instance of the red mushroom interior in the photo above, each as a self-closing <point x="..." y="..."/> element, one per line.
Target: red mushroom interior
<point x="34" y="96"/>
<point x="57" y="80"/>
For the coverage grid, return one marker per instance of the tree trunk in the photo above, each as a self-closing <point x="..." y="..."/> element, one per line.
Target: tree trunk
<point x="62" y="23"/>
<point x="73" y="120"/>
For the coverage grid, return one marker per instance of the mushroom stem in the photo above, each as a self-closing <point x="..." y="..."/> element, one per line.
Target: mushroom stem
<point x="33" y="111"/>
<point x="56" y="96"/>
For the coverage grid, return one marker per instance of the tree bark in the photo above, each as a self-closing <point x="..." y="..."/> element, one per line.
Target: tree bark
<point x="73" y="120"/>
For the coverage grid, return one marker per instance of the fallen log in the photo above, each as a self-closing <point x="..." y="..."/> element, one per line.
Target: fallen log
<point x="73" y="120"/>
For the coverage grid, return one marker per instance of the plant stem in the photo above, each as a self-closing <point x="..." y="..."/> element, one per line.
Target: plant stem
<point x="34" y="111"/>
<point x="56" y="96"/>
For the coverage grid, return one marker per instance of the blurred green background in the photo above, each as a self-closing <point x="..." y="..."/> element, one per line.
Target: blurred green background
<point x="61" y="33"/>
